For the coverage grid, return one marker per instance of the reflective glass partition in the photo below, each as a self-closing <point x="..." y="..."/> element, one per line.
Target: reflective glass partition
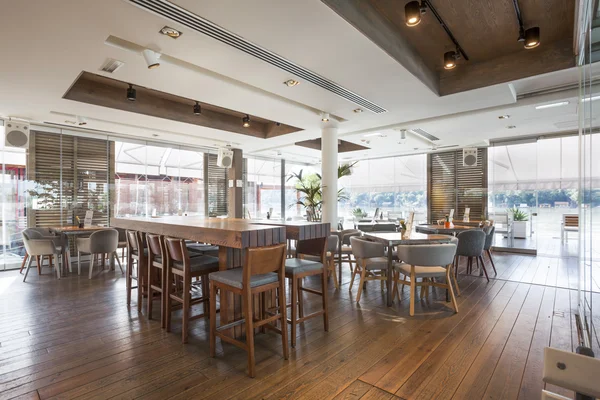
<point x="589" y="182"/>
<point x="292" y="209"/>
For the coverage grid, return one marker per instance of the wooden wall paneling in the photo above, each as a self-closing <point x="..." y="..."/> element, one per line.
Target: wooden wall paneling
<point x="236" y="200"/>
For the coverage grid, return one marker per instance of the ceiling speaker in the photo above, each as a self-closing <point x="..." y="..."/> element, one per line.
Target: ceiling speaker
<point x="469" y="157"/>
<point x="225" y="158"/>
<point x="16" y="134"/>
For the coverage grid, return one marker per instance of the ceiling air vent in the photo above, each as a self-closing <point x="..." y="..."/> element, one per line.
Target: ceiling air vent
<point x="180" y="15"/>
<point x="424" y="134"/>
<point x="111" y="65"/>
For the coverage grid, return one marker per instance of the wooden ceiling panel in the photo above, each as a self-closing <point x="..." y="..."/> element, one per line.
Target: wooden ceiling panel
<point x="107" y="92"/>
<point x="343" y="146"/>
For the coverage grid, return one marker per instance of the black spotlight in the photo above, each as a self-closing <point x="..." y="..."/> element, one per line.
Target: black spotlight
<point x="131" y="94"/>
<point x="532" y="37"/>
<point x="412" y="13"/>
<point x="197" y="109"/>
<point x="450" y="59"/>
<point x="246" y="121"/>
<point x="278" y="123"/>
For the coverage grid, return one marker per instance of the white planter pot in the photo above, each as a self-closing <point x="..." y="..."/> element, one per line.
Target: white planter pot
<point x="520" y="229"/>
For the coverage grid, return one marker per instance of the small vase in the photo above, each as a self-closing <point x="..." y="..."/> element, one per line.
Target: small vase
<point x="447" y="225"/>
<point x="403" y="234"/>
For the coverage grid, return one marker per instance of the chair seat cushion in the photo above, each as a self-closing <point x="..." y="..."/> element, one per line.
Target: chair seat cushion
<point x="298" y="265"/>
<point x="201" y="248"/>
<point x="201" y="264"/>
<point x="421" y="272"/>
<point x="234" y="277"/>
<point x="346" y="249"/>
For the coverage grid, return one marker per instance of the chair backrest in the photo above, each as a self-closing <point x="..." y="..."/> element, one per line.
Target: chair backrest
<point x="384" y="228"/>
<point x="122" y="234"/>
<point x="104" y="241"/>
<point x="362" y="249"/>
<point x="346" y="234"/>
<point x="571" y="220"/>
<point x="332" y="243"/>
<point x="135" y="243"/>
<point x="313" y="247"/>
<point x="36" y="244"/>
<point x="41" y="232"/>
<point x="470" y="243"/>
<point x="155" y="247"/>
<point x="427" y="255"/>
<point x="177" y="250"/>
<point x="262" y="260"/>
<point x="489" y="236"/>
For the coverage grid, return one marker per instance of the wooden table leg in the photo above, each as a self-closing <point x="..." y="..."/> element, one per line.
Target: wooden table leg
<point x="224" y="304"/>
<point x="340" y="264"/>
<point x="389" y="275"/>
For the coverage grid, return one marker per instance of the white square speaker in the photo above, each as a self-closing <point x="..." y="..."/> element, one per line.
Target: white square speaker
<point x="16" y="134"/>
<point x="469" y="157"/>
<point x="225" y="158"/>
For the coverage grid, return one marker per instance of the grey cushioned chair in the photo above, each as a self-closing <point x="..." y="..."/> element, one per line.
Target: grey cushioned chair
<point x="470" y="245"/>
<point x="101" y="242"/>
<point x="487" y="247"/>
<point x="38" y="246"/>
<point x="425" y="262"/>
<point x="371" y="263"/>
<point x="45" y="233"/>
<point x="346" y="247"/>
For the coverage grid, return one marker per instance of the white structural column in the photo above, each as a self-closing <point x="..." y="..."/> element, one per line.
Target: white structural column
<point x="329" y="173"/>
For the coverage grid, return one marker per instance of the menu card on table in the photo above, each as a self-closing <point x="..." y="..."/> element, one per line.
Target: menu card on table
<point x="89" y="215"/>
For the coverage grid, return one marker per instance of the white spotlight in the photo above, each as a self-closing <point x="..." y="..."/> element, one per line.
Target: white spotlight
<point x="325" y="117"/>
<point x="81" y="120"/>
<point x="151" y="58"/>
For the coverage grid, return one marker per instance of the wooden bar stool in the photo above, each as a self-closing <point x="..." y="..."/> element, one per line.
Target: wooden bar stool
<point x="263" y="271"/>
<point x="157" y="274"/>
<point x="332" y="247"/>
<point x="179" y="264"/>
<point x="296" y="269"/>
<point x="136" y="252"/>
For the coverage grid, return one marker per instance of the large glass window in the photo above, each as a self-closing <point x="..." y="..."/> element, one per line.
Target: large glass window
<point x="263" y="188"/>
<point x="394" y="186"/>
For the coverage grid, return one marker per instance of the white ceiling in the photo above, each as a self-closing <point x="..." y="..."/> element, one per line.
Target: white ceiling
<point x="54" y="41"/>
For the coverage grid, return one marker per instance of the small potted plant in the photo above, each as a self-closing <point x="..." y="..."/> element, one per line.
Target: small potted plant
<point x="358" y="213"/>
<point x="520" y="220"/>
<point x="402" y="227"/>
<point x="447" y="222"/>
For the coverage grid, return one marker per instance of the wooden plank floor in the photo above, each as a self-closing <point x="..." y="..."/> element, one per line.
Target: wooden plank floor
<point x="75" y="338"/>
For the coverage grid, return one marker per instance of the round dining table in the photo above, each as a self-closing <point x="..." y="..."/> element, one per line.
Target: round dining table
<point x="393" y="239"/>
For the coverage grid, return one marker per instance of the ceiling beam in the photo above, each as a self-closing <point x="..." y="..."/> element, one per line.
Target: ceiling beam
<point x="548" y="57"/>
<point x="107" y="92"/>
<point x="343" y="146"/>
<point x="363" y="16"/>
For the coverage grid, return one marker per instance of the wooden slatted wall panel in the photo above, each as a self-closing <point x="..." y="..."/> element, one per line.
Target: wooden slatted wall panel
<point x="92" y="179"/>
<point x="471" y="185"/>
<point x="441" y="195"/>
<point x="217" y="187"/>
<point x="453" y="186"/>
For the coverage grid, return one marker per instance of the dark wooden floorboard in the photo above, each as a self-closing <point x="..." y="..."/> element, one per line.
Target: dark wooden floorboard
<point x="75" y="338"/>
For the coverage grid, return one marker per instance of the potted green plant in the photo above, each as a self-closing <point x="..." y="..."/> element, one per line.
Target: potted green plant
<point x="358" y="213"/>
<point x="310" y="191"/>
<point x="520" y="221"/>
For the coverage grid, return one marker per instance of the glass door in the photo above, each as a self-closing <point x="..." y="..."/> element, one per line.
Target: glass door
<point x="513" y="196"/>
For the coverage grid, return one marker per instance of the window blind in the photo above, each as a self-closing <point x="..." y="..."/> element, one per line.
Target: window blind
<point x="217" y="187"/>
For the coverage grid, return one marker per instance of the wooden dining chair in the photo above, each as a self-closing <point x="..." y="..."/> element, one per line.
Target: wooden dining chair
<point x="136" y="253"/>
<point x="263" y="271"/>
<point x="346" y="246"/>
<point x="425" y="262"/>
<point x="296" y="269"/>
<point x="180" y="265"/>
<point x="157" y="275"/>
<point x="332" y="247"/>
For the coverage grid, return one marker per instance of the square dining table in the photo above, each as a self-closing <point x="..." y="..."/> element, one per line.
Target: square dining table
<point x="393" y="239"/>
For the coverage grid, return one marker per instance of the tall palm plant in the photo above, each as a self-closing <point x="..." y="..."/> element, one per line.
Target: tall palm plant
<point x="311" y="191"/>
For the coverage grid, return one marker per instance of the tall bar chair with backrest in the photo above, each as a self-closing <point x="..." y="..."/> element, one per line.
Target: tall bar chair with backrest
<point x="263" y="271"/>
<point x="371" y="263"/>
<point x="122" y="242"/>
<point x="470" y="245"/>
<point x="179" y="264"/>
<point x="157" y="274"/>
<point x="296" y="269"/>
<point x="136" y="253"/>
<point x="426" y="262"/>
<point x="332" y="248"/>
<point x="99" y="242"/>
<point x="38" y="246"/>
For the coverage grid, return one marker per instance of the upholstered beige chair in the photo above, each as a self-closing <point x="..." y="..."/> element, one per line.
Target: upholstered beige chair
<point x="101" y="242"/>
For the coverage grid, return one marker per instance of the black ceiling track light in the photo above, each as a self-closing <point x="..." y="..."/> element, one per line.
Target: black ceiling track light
<point x="131" y="93"/>
<point x="197" y="109"/>
<point x="246" y="121"/>
<point x="529" y="37"/>
<point x="412" y="16"/>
